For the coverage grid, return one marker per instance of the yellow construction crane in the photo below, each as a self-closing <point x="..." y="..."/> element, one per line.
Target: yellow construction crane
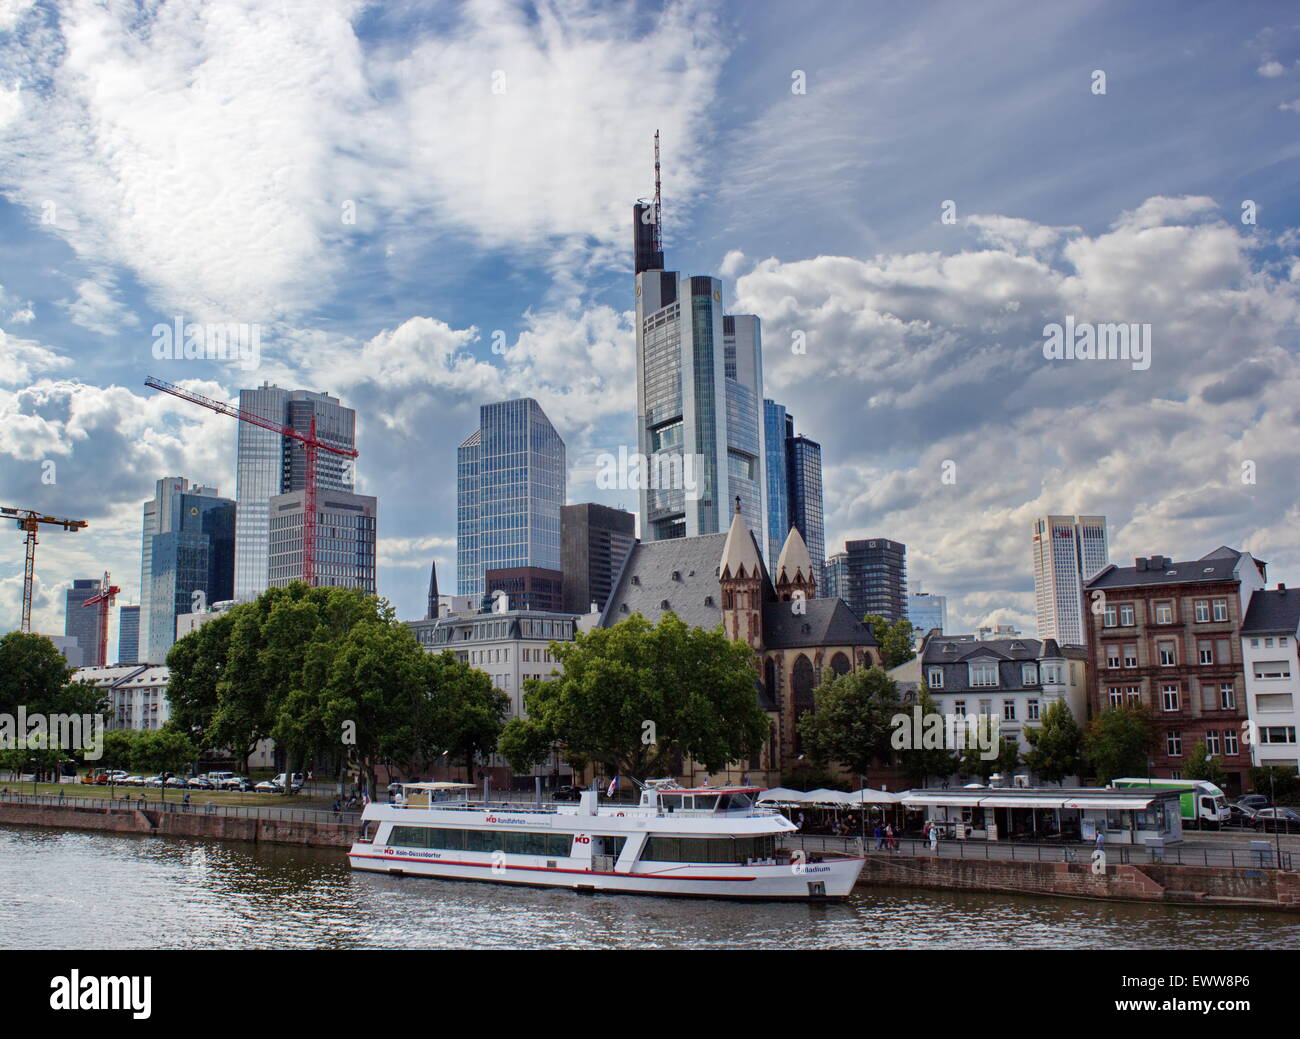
<point x="28" y="522"/>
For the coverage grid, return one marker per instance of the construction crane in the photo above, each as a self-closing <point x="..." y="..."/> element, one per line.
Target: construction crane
<point x="104" y="598"/>
<point x="28" y="521"/>
<point x="311" y="444"/>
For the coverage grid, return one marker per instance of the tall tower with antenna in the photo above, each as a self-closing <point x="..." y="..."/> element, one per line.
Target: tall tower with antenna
<point x="647" y="232"/>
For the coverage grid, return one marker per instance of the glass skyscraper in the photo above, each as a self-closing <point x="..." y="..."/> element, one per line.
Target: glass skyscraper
<point x="510" y="486"/>
<point x="346" y="538"/>
<point x="82" y="622"/>
<point x="871" y="577"/>
<point x="699" y="403"/>
<point x="794" y="489"/>
<point x="191" y="561"/>
<point x="269" y="464"/>
<point x="128" y="635"/>
<point x="1067" y="550"/>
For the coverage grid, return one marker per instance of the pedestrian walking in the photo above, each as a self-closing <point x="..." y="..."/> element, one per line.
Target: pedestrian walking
<point x="880" y="837"/>
<point x="891" y="841"/>
<point x="1101" y="839"/>
<point x="934" y="840"/>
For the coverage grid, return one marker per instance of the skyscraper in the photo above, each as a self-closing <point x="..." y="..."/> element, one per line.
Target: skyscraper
<point x="188" y="561"/>
<point x="927" y="611"/>
<point x="269" y="464"/>
<point x="510" y="483"/>
<point x="794" y="487"/>
<point x="699" y="392"/>
<point x="871" y="576"/>
<point x="128" y="635"/>
<point x="594" y="542"/>
<point x="1067" y="550"/>
<point x="346" y="538"/>
<point x="82" y="622"/>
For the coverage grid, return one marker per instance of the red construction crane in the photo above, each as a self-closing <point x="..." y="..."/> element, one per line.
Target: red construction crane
<point x="104" y="598"/>
<point x="29" y="521"/>
<point x="311" y="444"/>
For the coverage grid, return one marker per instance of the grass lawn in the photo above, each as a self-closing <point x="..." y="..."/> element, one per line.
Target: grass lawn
<point x="153" y="794"/>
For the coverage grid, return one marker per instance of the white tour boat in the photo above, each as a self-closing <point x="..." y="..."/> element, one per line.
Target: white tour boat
<point x="712" y="842"/>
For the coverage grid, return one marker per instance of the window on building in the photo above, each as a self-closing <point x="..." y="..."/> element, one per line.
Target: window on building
<point x="1168" y="653"/>
<point x="959" y="708"/>
<point x="1277" y="734"/>
<point x="1220" y="609"/>
<point x="934" y="677"/>
<point x="983" y="673"/>
<point x="1202" y="611"/>
<point x="1174" y="744"/>
<point x="1032" y="710"/>
<point x="1272" y="670"/>
<point x="1212" y="742"/>
<point x="1029" y="674"/>
<point x="1229" y="742"/>
<point x="1112" y="656"/>
<point x="1164" y="612"/>
<point x="1008" y="710"/>
<point x="1110" y="617"/>
<point x="1169" y="697"/>
<point x="1126" y="615"/>
<point x="1116" y="696"/>
<point x="1052" y="674"/>
<point x="1206" y="653"/>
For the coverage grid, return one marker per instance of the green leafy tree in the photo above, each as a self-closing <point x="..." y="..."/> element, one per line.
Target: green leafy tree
<point x="1201" y="766"/>
<point x="32" y="672"/>
<point x="1056" y="746"/>
<point x="161" y="750"/>
<point x="468" y="713"/>
<point x="895" y="639"/>
<point x="1118" y="741"/>
<point x="1004" y="762"/>
<point x="637" y="695"/>
<point x="1277" y="781"/>
<point x="920" y="761"/>
<point x="851" y="722"/>
<point x="119" y="748"/>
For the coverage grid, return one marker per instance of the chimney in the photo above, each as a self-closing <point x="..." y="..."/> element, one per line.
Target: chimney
<point x="1281" y="589"/>
<point x="1140" y="563"/>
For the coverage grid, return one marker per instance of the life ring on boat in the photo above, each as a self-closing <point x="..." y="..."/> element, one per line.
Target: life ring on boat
<point x="618" y="815"/>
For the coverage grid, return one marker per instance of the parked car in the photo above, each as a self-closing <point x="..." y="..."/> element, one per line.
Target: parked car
<point x="297" y="781"/>
<point x="175" y="783"/>
<point x="154" y="781"/>
<point x="236" y="783"/>
<point x="201" y="783"/>
<point x="268" y="786"/>
<point x="1242" y="814"/>
<point x="1255" y="801"/>
<point x="1285" y="819"/>
<point x="132" y="781"/>
<point x="567" y="793"/>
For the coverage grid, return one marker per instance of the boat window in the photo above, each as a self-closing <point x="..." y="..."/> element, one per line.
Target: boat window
<point x="671" y="801"/>
<point x="512" y="842"/>
<point x="728" y="850"/>
<point x="706" y="802"/>
<point x="735" y="803"/>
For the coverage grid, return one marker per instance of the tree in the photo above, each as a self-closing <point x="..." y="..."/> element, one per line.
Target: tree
<point x="1056" y="746"/>
<point x="468" y="713"/>
<point x="1201" y="766"/>
<point x="1277" y="781"/>
<point x="895" y="639"/>
<point x="1118" y="741"/>
<point x="32" y="673"/>
<point x="161" y="750"/>
<point x="35" y="677"/>
<point x="635" y="695"/>
<point x="1004" y="762"/>
<point x="920" y="758"/>
<point x="851" y="722"/>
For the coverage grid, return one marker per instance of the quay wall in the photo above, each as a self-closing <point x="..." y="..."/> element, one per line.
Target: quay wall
<point x="152" y="822"/>
<point x="1155" y="882"/>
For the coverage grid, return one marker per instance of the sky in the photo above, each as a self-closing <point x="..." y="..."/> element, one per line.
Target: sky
<point x="426" y="207"/>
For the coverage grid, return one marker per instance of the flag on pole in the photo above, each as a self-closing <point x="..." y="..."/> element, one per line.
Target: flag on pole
<point x="613" y="785"/>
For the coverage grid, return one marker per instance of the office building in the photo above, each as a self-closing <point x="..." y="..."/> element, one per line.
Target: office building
<point x="188" y="560"/>
<point x="1169" y="637"/>
<point x="524" y="588"/>
<point x="927" y="612"/>
<point x="594" y="542"/>
<point x="871" y="576"/>
<point x="128" y="635"/>
<point x="510" y="483"/>
<point x="81" y="622"/>
<point x="1067" y="550"/>
<point x="793" y="474"/>
<point x="778" y="426"/>
<point x="269" y="464"/>
<point x="699" y="400"/>
<point x="346" y="537"/>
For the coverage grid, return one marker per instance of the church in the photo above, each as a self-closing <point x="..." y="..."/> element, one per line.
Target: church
<point x="720" y="579"/>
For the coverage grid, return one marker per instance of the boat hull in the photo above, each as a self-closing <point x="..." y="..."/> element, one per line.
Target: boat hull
<point x="813" y="881"/>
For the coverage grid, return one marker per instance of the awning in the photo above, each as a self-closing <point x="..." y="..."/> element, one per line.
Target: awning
<point x="993" y="801"/>
<point x="873" y="797"/>
<point x="1130" y="803"/>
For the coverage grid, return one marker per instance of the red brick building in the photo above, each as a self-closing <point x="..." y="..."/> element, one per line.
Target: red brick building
<point x="1168" y="635"/>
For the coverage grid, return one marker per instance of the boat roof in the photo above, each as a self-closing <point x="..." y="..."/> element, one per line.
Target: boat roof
<point x="437" y="786"/>
<point x="712" y="790"/>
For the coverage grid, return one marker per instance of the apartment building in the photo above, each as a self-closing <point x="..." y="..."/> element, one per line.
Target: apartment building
<point x="1168" y="635"/>
<point x="1269" y="637"/>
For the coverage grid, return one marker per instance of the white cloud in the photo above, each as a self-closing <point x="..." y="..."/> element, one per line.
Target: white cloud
<point x="1271" y="69"/>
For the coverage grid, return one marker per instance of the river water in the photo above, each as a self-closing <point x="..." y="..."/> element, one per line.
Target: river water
<point x="68" y="889"/>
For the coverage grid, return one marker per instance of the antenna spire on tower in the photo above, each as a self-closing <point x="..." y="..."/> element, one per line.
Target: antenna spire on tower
<point x="658" y="229"/>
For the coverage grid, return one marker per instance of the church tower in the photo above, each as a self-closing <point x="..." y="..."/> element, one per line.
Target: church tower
<point x="795" y="577"/>
<point x="741" y="580"/>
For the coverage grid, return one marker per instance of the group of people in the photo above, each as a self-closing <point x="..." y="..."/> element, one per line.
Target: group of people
<point x="885" y="838"/>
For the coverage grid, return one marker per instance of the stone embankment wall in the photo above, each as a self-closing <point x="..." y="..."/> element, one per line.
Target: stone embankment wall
<point x="1194" y="885"/>
<point x="153" y="822"/>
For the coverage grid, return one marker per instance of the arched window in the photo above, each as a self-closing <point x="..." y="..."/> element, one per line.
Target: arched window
<point x="801" y="682"/>
<point x="840" y="664"/>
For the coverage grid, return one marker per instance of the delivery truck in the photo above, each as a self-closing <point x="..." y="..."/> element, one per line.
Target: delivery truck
<point x="1203" y="802"/>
